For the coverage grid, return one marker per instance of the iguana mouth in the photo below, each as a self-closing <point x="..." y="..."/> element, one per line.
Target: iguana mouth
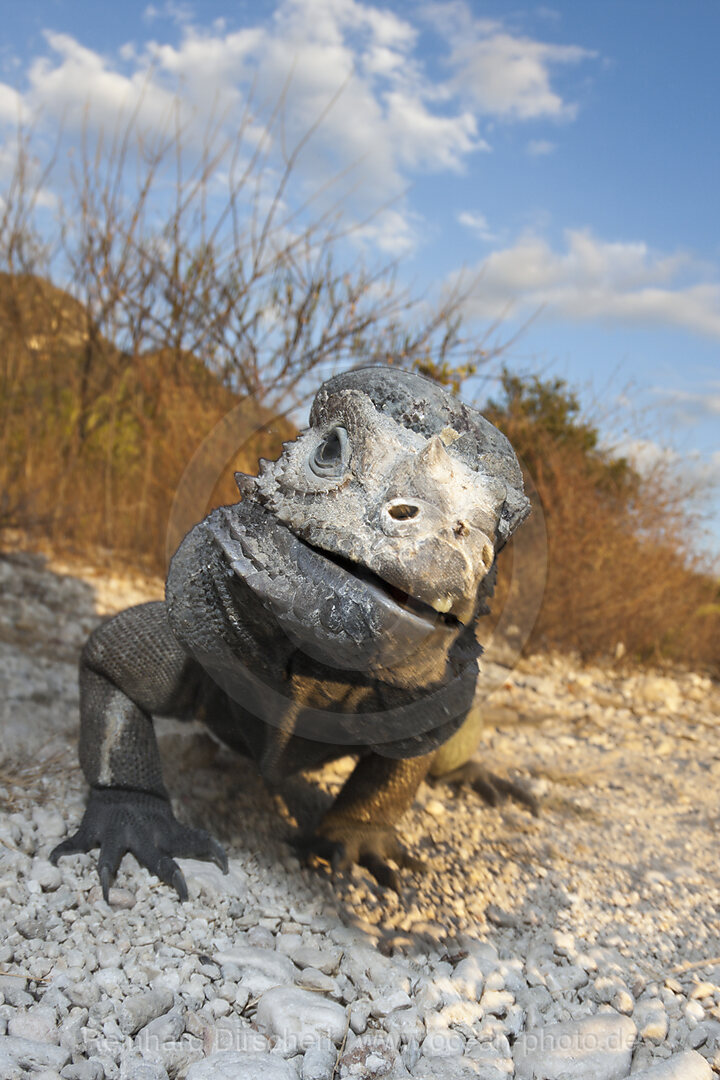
<point x="398" y="596"/>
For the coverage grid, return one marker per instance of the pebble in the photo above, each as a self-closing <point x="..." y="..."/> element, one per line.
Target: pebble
<point x="437" y="1068"/>
<point x="232" y="1065"/>
<point x="311" y="979"/>
<point x="470" y="977"/>
<point x="108" y="956"/>
<point x="319" y="1063"/>
<point x="708" y="1031"/>
<point x="37" y="1023"/>
<point x="694" y="1011"/>
<point x="596" y="1048"/>
<point x="14" y="994"/>
<point x="389" y="1000"/>
<point x="520" y="929"/>
<point x="325" y="960"/>
<point x="651" y="1018"/>
<point x="570" y="977"/>
<point x="51" y="825"/>
<point x="230" y="1033"/>
<point x="139" y="1009"/>
<point x="206" y="880"/>
<point x="622" y="1001"/>
<point x="443" y="1042"/>
<point x="687" y="1066"/>
<point x="138" y="1069"/>
<point x="260" y="968"/>
<point x="496" y="1002"/>
<point x="160" y="1031"/>
<point x="83" y="1070"/>
<point x="48" y="877"/>
<point x="31" y="1054"/>
<point x="84" y="995"/>
<point x="300" y="1016"/>
<point x="359" y="1013"/>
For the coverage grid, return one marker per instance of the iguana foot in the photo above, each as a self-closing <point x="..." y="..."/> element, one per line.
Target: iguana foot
<point x="119" y="821"/>
<point x="361" y="845"/>
<point x="491" y="788"/>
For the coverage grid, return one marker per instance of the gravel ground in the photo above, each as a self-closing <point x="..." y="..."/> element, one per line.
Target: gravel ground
<point x="581" y="944"/>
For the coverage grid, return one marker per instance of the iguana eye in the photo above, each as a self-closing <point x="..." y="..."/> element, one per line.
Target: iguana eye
<point x="330" y="457"/>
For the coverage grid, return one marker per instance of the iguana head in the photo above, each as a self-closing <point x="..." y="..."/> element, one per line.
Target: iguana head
<point x="403" y="487"/>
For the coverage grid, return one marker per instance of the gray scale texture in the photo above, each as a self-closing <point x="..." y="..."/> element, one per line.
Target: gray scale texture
<point x="331" y="611"/>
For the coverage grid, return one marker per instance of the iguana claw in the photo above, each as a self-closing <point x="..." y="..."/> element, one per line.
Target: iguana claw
<point x="491" y="788"/>
<point x="119" y="821"/>
<point x="372" y="848"/>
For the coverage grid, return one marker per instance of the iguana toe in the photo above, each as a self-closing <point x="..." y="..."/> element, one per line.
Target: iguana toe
<point x="371" y="847"/>
<point x="491" y="788"/>
<point x="119" y="821"/>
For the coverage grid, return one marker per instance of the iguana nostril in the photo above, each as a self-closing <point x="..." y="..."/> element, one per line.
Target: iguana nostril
<point x="403" y="511"/>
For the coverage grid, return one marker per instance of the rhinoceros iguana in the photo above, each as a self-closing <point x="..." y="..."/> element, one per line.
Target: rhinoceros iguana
<point x="331" y="611"/>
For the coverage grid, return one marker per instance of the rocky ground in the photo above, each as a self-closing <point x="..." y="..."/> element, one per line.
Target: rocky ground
<point x="584" y="943"/>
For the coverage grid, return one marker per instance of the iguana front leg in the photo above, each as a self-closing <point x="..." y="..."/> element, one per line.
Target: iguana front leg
<point x="360" y="825"/>
<point x="131" y="668"/>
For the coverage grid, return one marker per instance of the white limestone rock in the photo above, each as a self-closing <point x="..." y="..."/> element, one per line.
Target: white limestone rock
<point x="231" y="1065"/>
<point x="300" y="1016"/>
<point x="139" y="1009"/>
<point x="598" y="1047"/>
<point x="687" y="1066"/>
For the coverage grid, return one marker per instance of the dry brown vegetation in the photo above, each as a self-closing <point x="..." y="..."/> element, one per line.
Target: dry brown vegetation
<point x="164" y="289"/>
<point x="175" y="314"/>
<point x="81" y="460"/>
<point x="622" y="567"/>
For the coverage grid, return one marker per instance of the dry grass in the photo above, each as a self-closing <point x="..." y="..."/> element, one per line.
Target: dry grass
<point x="176" y="311"/>
<point x="109" y="482"/>
<point x="622" y="568"/>
<point x="191" y="280"/>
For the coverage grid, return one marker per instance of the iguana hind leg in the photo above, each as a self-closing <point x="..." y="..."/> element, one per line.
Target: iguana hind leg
<point x="491" y="788"/>
<point x="453" y="764"/>
<point x="131" y="668"/>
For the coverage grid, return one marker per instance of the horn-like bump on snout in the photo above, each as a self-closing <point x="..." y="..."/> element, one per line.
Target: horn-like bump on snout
<point x="434" y="454"/>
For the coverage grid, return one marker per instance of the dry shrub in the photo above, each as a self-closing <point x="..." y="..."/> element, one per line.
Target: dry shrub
<point x="192" y="280"/>
<point x="173" y="310"/>
<point x="623" y="568"/>
<point x="91" y="454"/>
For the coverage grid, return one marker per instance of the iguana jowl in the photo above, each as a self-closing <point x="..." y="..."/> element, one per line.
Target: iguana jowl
<point x="331" y="611"/>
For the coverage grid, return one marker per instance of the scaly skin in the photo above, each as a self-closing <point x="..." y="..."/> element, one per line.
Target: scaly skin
<point x="331" y="611"/>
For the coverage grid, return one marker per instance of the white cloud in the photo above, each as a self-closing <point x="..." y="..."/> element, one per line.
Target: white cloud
<point x="648" y="456"/>
<point x="645" y="455"/>
<point x="510" y="76"/>
<point x="540" y="147"/>
<point x="174" y="12"/>
<point x="83" y="89"/>
<point x="351" y="63"/>
<point x="429" y="141"/>
<point x="504" y="74"/>
<point x="713" y="468"/>
<point x="39" y="193"/>
<point x="477" y="223"/>
<point x="392" y="232"/>
<point x="592" y="280"/>
<point x="389" y="116"/>
<point x="12" y="106"/>
<point x="688" y="406"/>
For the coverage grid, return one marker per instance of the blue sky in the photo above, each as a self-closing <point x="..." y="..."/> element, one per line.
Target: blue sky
<point x="566" y="155"/>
